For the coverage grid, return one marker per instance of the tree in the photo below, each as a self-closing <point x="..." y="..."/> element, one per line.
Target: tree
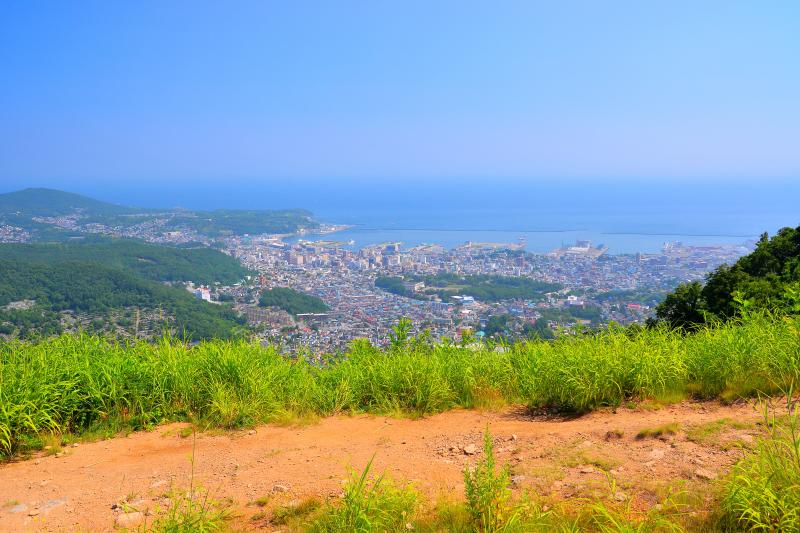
<point x="764" y="279"/>
<point x="683" y="308"/>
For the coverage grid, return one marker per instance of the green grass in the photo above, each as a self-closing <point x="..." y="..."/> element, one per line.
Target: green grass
<point x="294" y="513"/>
<point x="488" y="506"/>
<point x="763" y="490"/>
<point x="368" y="506"/>
<point x="660" y="431"/>
<point x="710" y="432"/>
<point x="58" y="390"/>
<point x="83" y="384"/>
<point x="487" y="492"/>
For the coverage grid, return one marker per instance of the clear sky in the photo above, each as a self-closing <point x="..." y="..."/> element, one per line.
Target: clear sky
<point x="198" y="92"/>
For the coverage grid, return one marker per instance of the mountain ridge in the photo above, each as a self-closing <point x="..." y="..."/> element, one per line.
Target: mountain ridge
<point x="52" y="214"/>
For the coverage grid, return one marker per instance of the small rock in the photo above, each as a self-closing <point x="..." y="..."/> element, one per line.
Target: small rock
<point x="587" y="470"/>
<point x="280" y="488"/>
<point x="517" y="480"/>
<point x="657" y="454"/>
<point x="470" y="449"/>
<point x="33" y="512"/>
<point x="52" y="504"/>
<point x="36" y="462"/>
<point x="74" y="444"/>
<point x="251" y="432"/>
<point x="702" y="473"/>
<point x="128" y="520"/>
<point x="620" y="496"/>
<point x="514" y="438"/>
<point x="19" y="508"/>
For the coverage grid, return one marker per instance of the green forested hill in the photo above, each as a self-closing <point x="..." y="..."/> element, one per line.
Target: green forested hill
<point x="51" y="202"/>
<point x="239" y="222"/>
<point x="151" y="261"/>
<point x="98" y="289"/>
<point x="768" y="278"/>
<point x="292" y="301"/>
<point x="19" y="208"/>
<point x="483" y="287"/>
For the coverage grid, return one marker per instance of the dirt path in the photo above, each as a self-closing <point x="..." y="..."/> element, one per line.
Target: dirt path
<point x="557" y="457"/>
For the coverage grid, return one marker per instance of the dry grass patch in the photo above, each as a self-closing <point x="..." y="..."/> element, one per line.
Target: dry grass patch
<point x="659" y="432"/>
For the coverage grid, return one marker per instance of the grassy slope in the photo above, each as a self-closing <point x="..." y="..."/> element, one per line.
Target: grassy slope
<point x="72" y="383"/>
<point x="77" y="384"/>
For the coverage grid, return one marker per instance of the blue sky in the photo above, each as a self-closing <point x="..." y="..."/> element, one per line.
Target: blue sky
<point x="238" y="92"/>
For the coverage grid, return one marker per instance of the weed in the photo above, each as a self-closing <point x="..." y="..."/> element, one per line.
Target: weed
<point x="368" y="506"/>
<point x="285" y="514"/>
<point x="762" y="492"/>
<point x="261" y="501"/>
<point x="660" y="431"/>
<point x="710" y="431"/>
<point x="487" y="491"/>
<point x="192" y="510"/>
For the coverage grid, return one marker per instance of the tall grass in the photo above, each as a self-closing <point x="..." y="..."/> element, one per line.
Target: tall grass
<point x="78" y="383"/>
<point x="763" y="491"/>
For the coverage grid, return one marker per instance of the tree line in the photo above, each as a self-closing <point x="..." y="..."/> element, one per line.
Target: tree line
<point x="768" y="278"/>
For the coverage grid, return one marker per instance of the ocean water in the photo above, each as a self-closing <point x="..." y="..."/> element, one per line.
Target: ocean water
<point x="540" y="232"/>
<point x="628" y="217"/>
<point x="627" y="220"/>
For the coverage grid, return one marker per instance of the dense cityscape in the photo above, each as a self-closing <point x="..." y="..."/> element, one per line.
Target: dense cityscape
<point x="621" y="288"/>
<point x="591" y="287"/>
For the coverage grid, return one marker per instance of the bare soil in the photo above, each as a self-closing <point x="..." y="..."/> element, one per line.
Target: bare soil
<point x="597" y="455"/>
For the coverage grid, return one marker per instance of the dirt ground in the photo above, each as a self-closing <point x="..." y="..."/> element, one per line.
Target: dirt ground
<point x="93" y="486"/>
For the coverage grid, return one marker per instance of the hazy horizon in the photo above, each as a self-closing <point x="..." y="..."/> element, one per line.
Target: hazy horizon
<point x="627" y="217"/>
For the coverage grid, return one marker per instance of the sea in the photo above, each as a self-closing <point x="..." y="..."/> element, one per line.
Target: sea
<point x="626" y="216"/>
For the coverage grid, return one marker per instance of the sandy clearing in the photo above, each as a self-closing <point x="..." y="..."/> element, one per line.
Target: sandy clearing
<point x="562" y="458"/>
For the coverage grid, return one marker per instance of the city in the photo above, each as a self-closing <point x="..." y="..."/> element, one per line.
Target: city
<point x="620" y="288"/>
<point x="594" y="286"/>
